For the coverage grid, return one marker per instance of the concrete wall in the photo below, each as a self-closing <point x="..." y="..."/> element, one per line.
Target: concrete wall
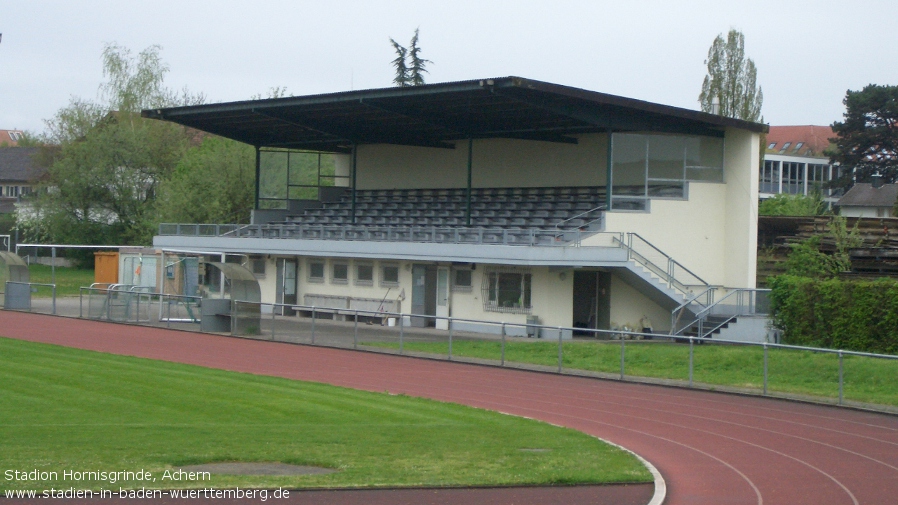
<point x="496" y="163"/>
<point x="629" y="306"/>
<point x="551" y="291"/>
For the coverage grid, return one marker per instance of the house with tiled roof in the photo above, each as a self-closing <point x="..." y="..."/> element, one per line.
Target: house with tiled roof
<point x="11" y="138"/>
<point x="794" y="162"/>
<point x="869" y="200"/>
<point x="19" y="174"/>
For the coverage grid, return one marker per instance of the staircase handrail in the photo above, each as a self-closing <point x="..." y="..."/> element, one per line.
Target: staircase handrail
<point x="600" y="207"/>
<point x="667" y="275"/>
<point x="677" y="313"/>
<point x="667" y="256"/>
<point x="703" y="314"/>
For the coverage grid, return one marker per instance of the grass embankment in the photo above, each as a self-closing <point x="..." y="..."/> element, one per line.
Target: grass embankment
<point x="66" y="409"/>
<point x="797" y="372"/>
<point x="68" y="280"/>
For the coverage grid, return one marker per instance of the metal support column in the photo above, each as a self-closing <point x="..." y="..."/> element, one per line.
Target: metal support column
<point x="258" y="177"/>
<point x="352" y="180"/>
<point x="608" y="174"/>
<point x="468" y="192"/>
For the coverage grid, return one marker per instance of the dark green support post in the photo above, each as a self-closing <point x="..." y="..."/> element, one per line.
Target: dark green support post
<point x="352" y="180"/>
<point x="258" y="176"/>
<point x="608" y="174"/>
<point x="468" y="192"/>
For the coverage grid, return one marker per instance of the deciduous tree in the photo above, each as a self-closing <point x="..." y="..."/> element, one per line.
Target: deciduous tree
<point x="732" y="79"/>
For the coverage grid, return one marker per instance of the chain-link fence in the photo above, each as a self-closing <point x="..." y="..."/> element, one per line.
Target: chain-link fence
<point x="826" y="375"/>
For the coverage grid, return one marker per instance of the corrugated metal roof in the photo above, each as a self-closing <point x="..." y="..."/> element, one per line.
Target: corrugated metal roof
<point x="438" y="115"/>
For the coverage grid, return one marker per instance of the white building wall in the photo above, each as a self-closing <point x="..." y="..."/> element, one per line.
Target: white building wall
<point x="629" y="306"/>
<point x="691" y="231"/>
<point x="740" y="171"/>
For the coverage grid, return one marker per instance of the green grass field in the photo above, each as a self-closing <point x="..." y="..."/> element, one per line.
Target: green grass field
<point x="68" y="280"/>
<point x="67" y="409"/>
<point x="798" y="372"/>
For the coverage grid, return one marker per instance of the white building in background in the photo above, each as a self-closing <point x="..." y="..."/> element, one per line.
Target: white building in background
<point x="794" y="162"/>
<point x="498" y="200"/>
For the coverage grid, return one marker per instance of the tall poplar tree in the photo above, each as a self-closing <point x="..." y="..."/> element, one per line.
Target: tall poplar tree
<point x="732" y="79"/>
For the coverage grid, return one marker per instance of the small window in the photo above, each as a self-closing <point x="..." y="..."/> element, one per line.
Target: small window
<point x="258" y="266"/>
<point x="798" y="146"/>
<point x="364" y="274"/>
<point x="771" y="145"/>
<point x="340" y="273"/>
<point x="785" y="146"/>
<point x="461" y="281"/>
<point x="316" y="271"/>
<point x="389" y="275"/>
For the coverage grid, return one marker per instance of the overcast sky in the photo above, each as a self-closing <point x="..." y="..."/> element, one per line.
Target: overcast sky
<point x="807" y="53"/>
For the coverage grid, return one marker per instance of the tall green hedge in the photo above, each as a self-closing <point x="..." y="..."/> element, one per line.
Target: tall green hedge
<point x="837" y="314"/>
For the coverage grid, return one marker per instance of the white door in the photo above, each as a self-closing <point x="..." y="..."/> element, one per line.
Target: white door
<point x="442" y="298"/>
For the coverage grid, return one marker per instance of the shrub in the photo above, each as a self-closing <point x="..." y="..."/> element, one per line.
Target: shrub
<point x="837" y="314"/>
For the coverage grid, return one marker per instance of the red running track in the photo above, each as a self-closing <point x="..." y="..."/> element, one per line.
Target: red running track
<point x="711" y="448"/>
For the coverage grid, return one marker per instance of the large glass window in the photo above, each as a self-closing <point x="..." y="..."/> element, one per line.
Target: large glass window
<point x="507" y="291"/>
<point x="658" y="166"/>
<point x="770" y="177"/>
<point x="793" y="177"/>
<point x="294" y="175"/>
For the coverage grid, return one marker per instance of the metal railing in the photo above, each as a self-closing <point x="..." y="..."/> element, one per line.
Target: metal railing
<point x="25" y="303"/>
<point x="737" y="302"/>
<point x="587" y="225"/>
<point x="392" y="332"/>
<point x="663" y="266"/>
<point x="431" y="234"/>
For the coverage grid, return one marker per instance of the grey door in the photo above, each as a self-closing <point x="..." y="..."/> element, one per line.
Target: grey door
<point x="285" y="291"/>
<point x="419" y="294"/>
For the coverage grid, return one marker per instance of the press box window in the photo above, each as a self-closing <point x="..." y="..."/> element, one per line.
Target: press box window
<point x="389" y="275"/>
<point x="340" y="273"/>
<point x="316" y="271"/>
<point x="364" y="274"/>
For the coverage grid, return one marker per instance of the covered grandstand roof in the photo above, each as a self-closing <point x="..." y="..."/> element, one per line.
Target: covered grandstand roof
<point x="438" y="115"/>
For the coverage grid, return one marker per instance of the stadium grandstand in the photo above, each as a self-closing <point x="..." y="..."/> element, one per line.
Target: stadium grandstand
<point x="504" y="199"/>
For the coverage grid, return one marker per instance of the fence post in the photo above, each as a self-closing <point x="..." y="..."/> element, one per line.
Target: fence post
<point x="450" y="339"/>
<point x="273" y="307"/>
<point x="80" y="303"/>
<point x="690" y="360"/>
<point x="621" y="356"/>
<point x="502" y="362"/>
<point x="765" y="369"/>
<point x="313" y="325"/>
<point x="168" y="319"/>
<point x="136" y="317"/>
<point x="560" y="352"/>
<point x="355" y="331"/>
<point x="233" y="313"/>
<point x="401" y="332"/>
<point x="54" y="299"/>
<point x="840" y="378"/>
